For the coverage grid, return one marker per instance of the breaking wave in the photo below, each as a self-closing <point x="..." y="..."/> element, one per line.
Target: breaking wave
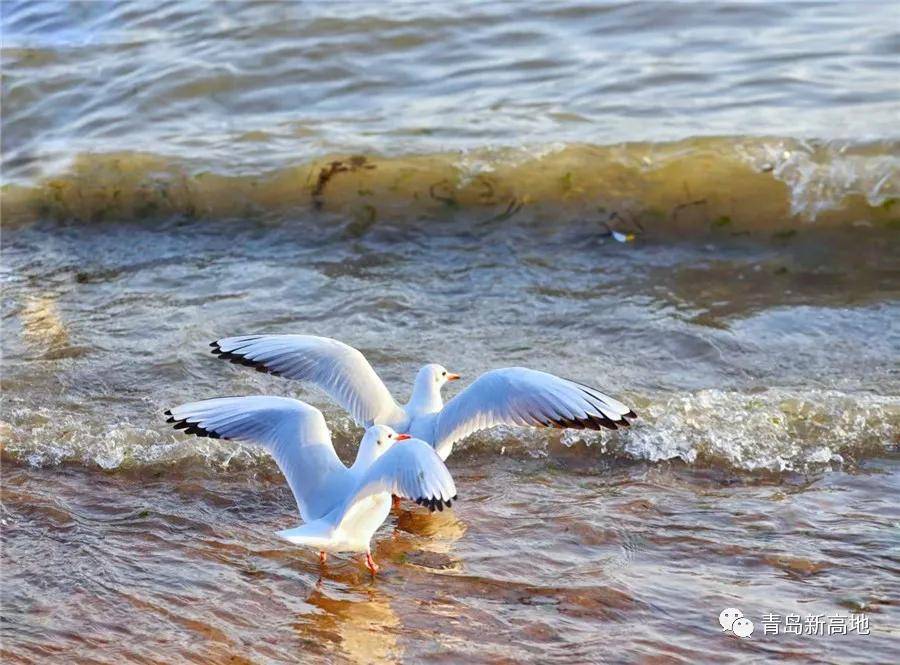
<point x="777" y="430"/>
<point x="724" y="185"/>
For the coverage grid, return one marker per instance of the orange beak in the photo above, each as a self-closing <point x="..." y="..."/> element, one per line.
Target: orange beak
<point x="452" y="377"/>
<point x="402" y="437"/>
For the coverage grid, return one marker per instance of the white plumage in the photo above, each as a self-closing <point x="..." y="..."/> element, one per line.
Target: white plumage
<point x="510" y="396"/>
<point x="342" y="507"/>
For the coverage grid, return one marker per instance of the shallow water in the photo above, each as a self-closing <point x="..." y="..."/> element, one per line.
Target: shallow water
<point x="560" y="562"/>
<point x="172" y="176"/>
<point x="761" y="473"/>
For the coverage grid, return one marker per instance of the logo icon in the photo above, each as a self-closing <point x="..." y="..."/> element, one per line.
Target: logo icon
<point x="733" y="620"/>
<point x="742" y="627"/>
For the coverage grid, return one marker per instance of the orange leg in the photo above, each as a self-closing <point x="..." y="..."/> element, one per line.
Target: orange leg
<point x="322" y="557"/>
<point x="370" y="563"/>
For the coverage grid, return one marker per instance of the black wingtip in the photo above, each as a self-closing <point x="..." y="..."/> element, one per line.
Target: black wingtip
<point x="238" y="359"/>
<point x="592" y="422"/>
<point x="193" y="428"/>
<point x="607" y="423"/>
<point x="435" y="503"/>
<point x="214" y="344"/>
<point x="601" y="420"/>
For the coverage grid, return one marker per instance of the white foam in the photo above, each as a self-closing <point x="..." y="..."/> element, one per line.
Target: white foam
<point x="820" y="176"/>
<point x="775" y="430"/>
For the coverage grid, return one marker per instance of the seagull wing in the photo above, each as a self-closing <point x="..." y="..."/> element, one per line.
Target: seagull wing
<point x="410" y="469"/>
<point x="293" y="432"/>
<point x="338" y="369"/>
<point x="520" y="396"/>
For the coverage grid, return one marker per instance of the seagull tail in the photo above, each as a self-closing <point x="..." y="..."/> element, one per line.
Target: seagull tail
<point x="318" y="533"/>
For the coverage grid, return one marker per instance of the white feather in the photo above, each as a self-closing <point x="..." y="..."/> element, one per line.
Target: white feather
<point x="293" y="432"/>
<point x="342" y="507"/>
<point x="521" y="396"/>
<point x="338" y="369"/>
<point x="510" y="396"/>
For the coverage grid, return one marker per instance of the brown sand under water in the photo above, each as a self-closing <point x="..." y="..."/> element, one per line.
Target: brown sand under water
<point x="761" y="475"/>
<point x="551" y="561"/>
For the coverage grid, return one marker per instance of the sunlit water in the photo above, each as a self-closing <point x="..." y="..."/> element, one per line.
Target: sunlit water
<point x="441" y="185"/>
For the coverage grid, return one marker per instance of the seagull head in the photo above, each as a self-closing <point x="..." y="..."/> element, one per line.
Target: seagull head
<point x="435" y="374"/>
<point x="377" y="441"/>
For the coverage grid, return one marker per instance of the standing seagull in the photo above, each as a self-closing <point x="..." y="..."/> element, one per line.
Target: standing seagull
<point x="342" y="507"/>
<point x="510" y="396"/>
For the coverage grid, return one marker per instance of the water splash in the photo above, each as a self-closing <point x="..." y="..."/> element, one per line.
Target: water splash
<point x="776" y="430"/>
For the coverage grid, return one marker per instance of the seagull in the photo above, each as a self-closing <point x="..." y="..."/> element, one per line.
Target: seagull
<point x="341" y="507"/>
<point x="509" y="396"/>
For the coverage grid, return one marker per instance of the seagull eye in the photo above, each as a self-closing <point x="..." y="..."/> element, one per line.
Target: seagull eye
<point x="444" y="373"/>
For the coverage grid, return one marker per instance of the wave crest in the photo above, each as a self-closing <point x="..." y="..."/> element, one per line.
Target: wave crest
<point x="778" y="430"/>
<point x="726" y="185"/>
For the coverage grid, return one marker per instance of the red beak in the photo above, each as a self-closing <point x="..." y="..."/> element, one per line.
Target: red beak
<point x="402" y="437"/>
<point x="452" y="377"/>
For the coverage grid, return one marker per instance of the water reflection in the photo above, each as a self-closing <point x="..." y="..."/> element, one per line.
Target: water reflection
<point x="354" y="611"/>
<point x="43" y="328"/>
<point x="360" y="623"/>
<point x="434" y="533"/>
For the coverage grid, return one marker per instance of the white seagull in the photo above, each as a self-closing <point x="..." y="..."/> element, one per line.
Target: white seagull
<point x="510" y="396"/>
<point x="342" y="508"/>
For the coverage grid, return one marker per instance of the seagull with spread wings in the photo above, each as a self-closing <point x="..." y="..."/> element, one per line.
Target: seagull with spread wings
<point x="341" y="507"/>
<point x="510" y="396"/>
